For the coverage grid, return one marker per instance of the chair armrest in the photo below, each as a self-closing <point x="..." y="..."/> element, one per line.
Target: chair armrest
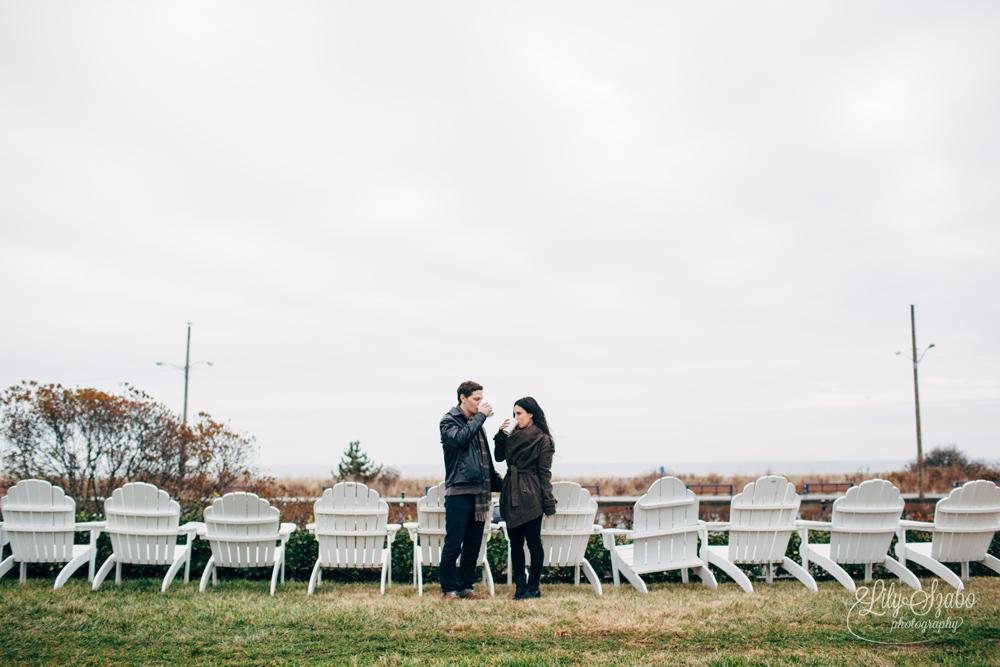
<point x="392" y="529"/>
<point x="503" y="526"/>
<point x="413" y="528"/>
<point x="803" y="526"/>
<point x="598" y="528"/>
<point x="906" y="524"/>
<point x="717" y="526"/>
<point x="285" y="530"/>
<point x="192" y="528"/>
<point x="311" y="527"/>
<point x="608" y="536"/>
<point x="95" y="528"/>
<point x="616" y="532"/>
<point x="703" y="538"/>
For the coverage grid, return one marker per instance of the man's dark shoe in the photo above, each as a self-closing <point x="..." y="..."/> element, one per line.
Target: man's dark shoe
<point x="451" y="596"/>
<point x="531" y="592"/>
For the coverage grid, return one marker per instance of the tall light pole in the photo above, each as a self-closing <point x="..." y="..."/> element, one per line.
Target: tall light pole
<point x="916" y="399"/>
<point x="187" y="371"/>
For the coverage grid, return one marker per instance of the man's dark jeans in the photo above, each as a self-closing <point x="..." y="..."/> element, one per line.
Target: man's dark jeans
<point x="463" y="535"/>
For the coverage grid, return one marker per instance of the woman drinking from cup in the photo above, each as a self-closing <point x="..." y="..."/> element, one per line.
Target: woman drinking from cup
<point x="526" y="493"/>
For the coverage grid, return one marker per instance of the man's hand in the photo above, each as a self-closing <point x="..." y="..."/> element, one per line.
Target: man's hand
<point x="485" y="408"/>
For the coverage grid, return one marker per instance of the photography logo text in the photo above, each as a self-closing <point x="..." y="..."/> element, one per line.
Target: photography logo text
<point x="886" y="615"/>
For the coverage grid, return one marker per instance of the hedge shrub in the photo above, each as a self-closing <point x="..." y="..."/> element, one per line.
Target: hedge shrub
<point x="301" y="553"/>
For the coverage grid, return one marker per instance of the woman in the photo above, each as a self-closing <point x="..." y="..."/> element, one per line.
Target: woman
<point x="526" y="493"/>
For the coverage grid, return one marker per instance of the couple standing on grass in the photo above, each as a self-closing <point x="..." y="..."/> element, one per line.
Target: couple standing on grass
<point x="525" y="492"/>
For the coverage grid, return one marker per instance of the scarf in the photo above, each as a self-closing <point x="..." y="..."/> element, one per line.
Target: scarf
<point x="484" y="497"/>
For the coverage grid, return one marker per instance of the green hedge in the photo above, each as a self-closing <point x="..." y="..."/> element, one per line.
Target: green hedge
<point x="301" y="555"/>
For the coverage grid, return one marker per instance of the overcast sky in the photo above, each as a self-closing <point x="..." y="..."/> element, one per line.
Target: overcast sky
<point x="692" y="231"/>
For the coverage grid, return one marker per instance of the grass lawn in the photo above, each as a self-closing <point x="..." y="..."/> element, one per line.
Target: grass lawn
<point x="239" y="624"/>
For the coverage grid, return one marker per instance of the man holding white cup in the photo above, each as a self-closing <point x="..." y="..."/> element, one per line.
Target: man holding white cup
<point x="469" y="480"/>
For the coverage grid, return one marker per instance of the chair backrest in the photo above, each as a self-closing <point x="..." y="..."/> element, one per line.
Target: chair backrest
<point x="40" y="522"/>
<point x="864" y="522"/>
<point x="565" y="534"/>
<point x="761" y="519"/>
<point x="242" y="530"/>
<point x="142" y="521"/>
<point x="431" y="527"/>
<point x="965" y="521"/>
<point x="351" y="526"/>
<point x="667" y="505"/>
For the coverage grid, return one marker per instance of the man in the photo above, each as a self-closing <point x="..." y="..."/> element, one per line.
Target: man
<point x="469" y="476"/>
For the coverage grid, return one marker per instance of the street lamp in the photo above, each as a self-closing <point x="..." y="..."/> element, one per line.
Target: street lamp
<point x="186" y="368"/>
<point x="916" y="398"/>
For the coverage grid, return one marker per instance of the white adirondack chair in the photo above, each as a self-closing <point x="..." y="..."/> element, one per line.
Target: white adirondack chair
<point x="665" y="535"/>
<point x="244" y="531"/>
<point x="3" y="539"/>
<point x="565" y="534"/>
<point x="861" y="529"/>
<point x="353" y="531"/>
<point x="40" y="522"/>
<point x="427" y="534"/>
<point x="144" y="524"/>
<point x="964" y="524"/>
<point x="761" y="521"/>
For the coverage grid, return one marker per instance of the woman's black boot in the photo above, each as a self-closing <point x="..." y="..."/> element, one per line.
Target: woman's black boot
<point x="521" y="589"/>
<point x="531" y="592"/>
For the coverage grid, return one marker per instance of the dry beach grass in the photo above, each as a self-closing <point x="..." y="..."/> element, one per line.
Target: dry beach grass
<point x="938" y="480"/>
<point x="239" y="624"/>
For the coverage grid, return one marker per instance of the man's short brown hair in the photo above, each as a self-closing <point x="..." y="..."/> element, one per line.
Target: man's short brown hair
<point x="466" y="389"/>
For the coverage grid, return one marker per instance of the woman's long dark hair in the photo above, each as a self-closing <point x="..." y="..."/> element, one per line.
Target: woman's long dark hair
<point x="530" y="405"/>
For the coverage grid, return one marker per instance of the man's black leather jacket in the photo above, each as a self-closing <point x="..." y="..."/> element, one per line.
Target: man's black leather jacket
<point x="461" y="458"/>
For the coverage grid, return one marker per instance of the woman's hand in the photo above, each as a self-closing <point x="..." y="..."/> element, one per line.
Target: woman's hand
<point x="506" y="423"/>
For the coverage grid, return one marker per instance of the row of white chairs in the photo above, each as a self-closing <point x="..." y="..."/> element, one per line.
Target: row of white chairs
<point x="143" y="523"/>
<point x="352" y="530"/>
<point x="667" y="533"/>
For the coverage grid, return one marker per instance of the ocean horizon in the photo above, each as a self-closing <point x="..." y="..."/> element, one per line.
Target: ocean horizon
<point x="619" y="469"/>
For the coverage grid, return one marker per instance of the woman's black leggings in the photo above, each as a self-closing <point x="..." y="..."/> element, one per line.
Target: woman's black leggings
<point x="531" y="533"/>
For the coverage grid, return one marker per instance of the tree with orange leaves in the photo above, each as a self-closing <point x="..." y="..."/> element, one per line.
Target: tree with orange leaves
<point x="90" y="442"/>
